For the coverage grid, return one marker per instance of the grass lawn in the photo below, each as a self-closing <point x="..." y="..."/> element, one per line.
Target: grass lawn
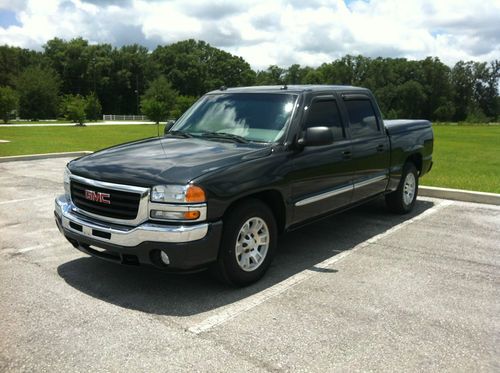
<point x="34" y="140"/>
<point x="465" y="157"/>
<point x="52" y="121"/>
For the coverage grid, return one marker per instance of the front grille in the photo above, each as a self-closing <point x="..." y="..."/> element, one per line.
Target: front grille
<point x="123" y="205"/>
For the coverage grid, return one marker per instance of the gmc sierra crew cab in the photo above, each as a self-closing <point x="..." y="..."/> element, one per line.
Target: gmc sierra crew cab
<point x="239" y="167"/>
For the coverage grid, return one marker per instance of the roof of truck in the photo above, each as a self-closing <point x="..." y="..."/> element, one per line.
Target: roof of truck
<point x="289" y="88"/>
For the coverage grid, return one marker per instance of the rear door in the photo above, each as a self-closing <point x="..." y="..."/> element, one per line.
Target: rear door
<point x="321" y="178"/>
<point x="370" y="146"/>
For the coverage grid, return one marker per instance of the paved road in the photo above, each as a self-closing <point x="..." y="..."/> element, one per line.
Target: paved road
<point x="364" y="290"/>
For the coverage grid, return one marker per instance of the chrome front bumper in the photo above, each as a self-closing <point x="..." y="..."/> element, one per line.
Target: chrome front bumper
<point x="68" y="219"/>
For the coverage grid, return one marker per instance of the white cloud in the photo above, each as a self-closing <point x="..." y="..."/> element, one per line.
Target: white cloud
<point x="268" y="32"/>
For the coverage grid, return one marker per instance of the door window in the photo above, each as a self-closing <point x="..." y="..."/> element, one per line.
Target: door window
<point x="325" y="113"/>
<point x="362" y="118"/>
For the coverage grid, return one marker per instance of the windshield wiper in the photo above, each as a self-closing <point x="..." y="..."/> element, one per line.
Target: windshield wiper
<point x="179" y="133"/>
<point x="225" y="135"/>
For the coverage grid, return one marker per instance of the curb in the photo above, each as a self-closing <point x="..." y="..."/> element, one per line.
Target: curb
<point x="31" y="157"/>
<point x="460" y="195"/>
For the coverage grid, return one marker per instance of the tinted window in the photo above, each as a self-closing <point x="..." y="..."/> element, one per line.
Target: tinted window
<point x="362" y="119"/>
<point x="325" y="113"/>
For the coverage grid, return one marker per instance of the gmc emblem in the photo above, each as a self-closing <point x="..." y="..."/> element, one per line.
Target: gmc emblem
<point x="97" y="196"/>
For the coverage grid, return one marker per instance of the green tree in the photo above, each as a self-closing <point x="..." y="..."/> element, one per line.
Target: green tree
<point x="92" y="107"/>
<point x="74" y="109"/>
<point x="13" y="60"/>
<point x="120" y="76"/>
<point x="100" y="78"/>
<point x="294" y="74"/>
<point x="436" y="81"/>
<point x="195" y="67"/>
<point x="313" y="76"/>
<point x="462" y="76"/>
<point x="70" y="59"/>
<point x="159" y="100"/>
<point x="9" y="102"/>
<point x="410" y="99"/>
<point x="131" y="73"/>
<point x="274" y="75"/>
<point x="486" y="78"/>
<point x="38" y="90"/>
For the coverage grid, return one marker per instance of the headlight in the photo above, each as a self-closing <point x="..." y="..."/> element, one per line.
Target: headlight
<point x="178" y="194"/>
<point x="67" y="189"/>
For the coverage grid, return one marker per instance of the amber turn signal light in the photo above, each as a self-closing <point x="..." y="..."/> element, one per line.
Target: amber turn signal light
<point x="195" y="194"/>
<point x="191" y="215"/>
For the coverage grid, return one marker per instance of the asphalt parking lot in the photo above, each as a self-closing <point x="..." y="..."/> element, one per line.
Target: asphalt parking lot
<point x="363" y="290"/>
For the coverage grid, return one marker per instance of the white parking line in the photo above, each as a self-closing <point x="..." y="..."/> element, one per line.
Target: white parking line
<point x="35" y="247"/>
<point x="20" y="200"/>
<point x="254" y="300"/>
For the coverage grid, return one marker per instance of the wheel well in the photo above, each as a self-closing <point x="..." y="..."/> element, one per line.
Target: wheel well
<point x="274" y="200"/>
<point x="416" y="159"/>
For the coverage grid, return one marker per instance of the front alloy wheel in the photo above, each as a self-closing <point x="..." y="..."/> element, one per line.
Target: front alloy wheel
<point x="252" y="244"/>
<point x="249" y="240"/>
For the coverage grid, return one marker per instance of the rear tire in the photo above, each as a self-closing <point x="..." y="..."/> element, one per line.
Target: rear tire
<point x="403" y="199"/>
<point x="248" y="244"/>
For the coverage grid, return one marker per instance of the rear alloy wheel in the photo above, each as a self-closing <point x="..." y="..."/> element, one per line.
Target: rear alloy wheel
<point x="248" y="243"/>
<point x="403" y="199"/>
<point x="409" y="189"/>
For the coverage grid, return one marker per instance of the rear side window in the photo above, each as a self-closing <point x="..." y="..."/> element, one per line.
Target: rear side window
<point x="362" y="119"/>
<point x="325" y="113"/>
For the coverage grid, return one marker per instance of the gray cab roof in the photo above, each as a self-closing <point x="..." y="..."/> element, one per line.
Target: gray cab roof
<point x="289" y="89"/>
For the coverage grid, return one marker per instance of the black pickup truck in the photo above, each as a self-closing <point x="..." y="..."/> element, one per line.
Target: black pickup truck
<point x="241" y="166"/>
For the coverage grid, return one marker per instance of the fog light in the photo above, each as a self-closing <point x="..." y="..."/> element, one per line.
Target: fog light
<point x="175" y="215"/>
<point x="164" y="258"/>
<point x="167" y="215"/>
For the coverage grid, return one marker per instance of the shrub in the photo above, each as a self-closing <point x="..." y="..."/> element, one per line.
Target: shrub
<point x="92" y="107"/>
<point x="74" y="109"/>
<point x="9" y="102"/>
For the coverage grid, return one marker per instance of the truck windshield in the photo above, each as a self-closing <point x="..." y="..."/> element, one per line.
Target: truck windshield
<point x="261" y="117"/>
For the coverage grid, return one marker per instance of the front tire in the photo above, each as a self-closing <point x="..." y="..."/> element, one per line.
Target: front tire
<point x="248" y="243"/>
<point x="403" y="199"/>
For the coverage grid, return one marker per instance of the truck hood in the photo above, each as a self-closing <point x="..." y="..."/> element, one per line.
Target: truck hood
<point x="164" y="160"/>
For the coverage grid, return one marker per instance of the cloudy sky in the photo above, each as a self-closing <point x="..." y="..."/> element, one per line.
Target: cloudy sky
<point x="265" y="32"/>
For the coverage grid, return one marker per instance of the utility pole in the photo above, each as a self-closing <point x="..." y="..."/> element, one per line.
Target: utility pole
<point x="93" y="68"/>
<point x="137" y="93"/>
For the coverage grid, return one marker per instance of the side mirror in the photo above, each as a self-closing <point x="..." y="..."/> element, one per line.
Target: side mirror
<point x="316" y="136"/>
<point x="168" y="125"/>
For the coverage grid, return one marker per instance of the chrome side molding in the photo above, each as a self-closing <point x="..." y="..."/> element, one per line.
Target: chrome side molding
<point x="325" y="195"/>
<point x="343" y="189"/>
